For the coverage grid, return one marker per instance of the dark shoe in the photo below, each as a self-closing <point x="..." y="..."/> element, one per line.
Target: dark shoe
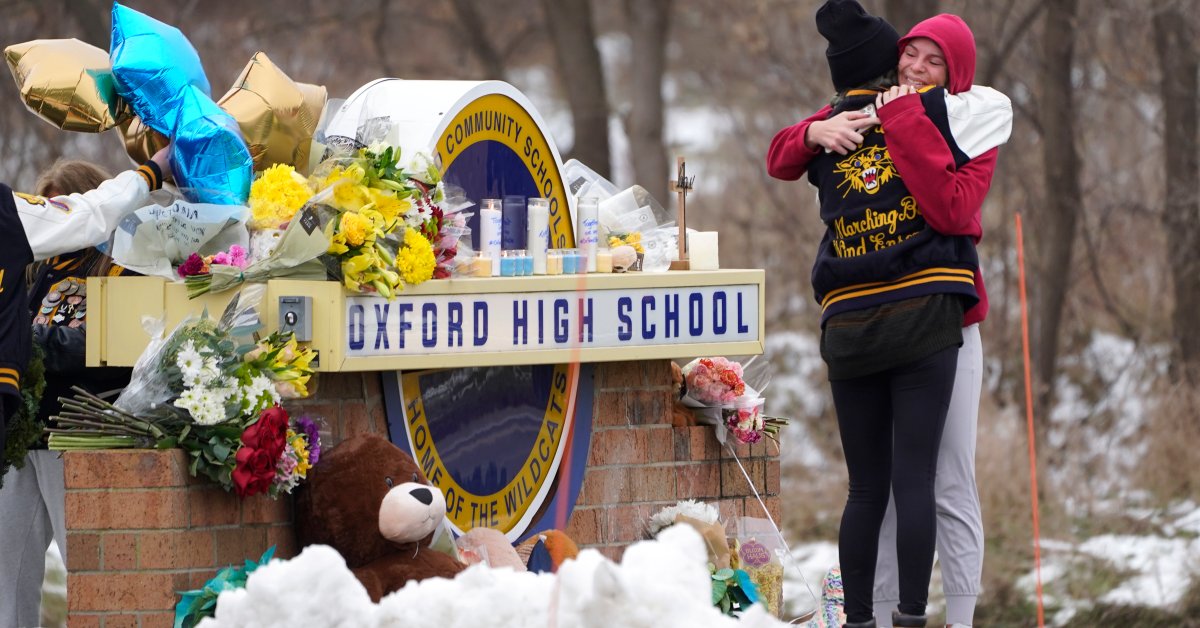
<point x="902" y="620"/>
<point x="870" y="623"/>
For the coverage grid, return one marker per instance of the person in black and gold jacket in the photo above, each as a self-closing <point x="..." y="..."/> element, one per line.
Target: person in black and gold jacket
<point x="60" y="225"/>
<point x="904" y="170"/>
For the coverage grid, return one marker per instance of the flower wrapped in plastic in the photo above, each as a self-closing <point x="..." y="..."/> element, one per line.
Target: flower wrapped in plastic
<point x="207" y="390"/>
<point x="293" y="256"/>
<point x="385" y="220"/>
<point x="728" y="395"/>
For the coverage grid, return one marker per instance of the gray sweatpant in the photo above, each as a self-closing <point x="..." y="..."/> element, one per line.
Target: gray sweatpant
<point x="32" y="512"/>
<point x="959" y="521"/>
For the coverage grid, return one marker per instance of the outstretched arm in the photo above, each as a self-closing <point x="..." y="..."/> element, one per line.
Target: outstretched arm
<point x="62" y="224"/>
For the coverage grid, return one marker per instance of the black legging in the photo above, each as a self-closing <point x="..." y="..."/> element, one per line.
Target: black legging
<point x="908" y="402"/>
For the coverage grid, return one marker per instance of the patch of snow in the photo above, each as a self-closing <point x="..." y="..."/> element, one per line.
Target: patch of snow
<point x="660" y="582"/>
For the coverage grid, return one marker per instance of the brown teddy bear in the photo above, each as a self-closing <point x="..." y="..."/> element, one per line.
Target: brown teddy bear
<point x="368" y="499"/>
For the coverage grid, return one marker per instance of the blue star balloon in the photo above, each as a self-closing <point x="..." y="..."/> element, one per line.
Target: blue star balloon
<point x="208" y="155"/>
<point x="158" y="72"/>
<point x="153" y="64"/>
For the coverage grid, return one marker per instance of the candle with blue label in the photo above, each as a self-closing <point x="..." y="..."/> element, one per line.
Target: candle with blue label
<point x="538" y="228"/>
<point x="489" y="230"/>
<point x="589" y="232"/>
<point x="512" y="228"/>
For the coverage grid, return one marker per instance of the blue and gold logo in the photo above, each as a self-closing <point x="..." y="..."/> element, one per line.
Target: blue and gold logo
<point x="506" y="445"/>
<point x="493" y="148"/>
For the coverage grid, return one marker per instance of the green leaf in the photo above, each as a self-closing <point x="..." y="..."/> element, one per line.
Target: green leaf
<point x="723" y="574"/>
<point x="725" y="605"/>
<point x="719" y="589"/>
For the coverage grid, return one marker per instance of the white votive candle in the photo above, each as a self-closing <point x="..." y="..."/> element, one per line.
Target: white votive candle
<point x="702" y="250"/>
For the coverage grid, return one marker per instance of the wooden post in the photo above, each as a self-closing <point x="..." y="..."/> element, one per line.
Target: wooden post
<point x="681" y="185"/>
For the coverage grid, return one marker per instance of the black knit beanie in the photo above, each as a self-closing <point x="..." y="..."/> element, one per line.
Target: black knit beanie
<point x="861" y="46"/>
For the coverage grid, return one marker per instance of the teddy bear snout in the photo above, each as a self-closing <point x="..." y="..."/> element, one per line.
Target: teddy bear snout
<point x="422" y="495"/>
<point x="410" y="511"/>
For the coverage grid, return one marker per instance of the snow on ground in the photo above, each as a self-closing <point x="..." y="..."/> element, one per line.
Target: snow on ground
<point x="1100" y="418"/>
<point x="1151" y="570"/>
<point x="658" y="584"/>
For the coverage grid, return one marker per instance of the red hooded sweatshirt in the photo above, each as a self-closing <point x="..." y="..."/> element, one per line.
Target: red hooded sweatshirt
<point x="950" y="197"/>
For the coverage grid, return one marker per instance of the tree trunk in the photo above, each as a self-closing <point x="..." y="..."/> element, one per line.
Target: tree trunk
<point x="649" y="22"/>
<point x="1056" y="223"/>
<point x="476" y="38"/>
<point x="904" y="14"/>
<point x="1174" y="38"/>
<point x="582" y="78"/>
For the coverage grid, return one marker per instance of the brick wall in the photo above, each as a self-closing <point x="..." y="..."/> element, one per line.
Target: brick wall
<point x="638" y="462"/>
<point x="140" y="528"/>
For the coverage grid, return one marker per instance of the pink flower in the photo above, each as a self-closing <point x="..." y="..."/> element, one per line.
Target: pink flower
<point x="237" y="256"/>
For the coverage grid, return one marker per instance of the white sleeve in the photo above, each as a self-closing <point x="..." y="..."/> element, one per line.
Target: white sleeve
<point x="72" y="222"/>
<point x="980" y="119"/>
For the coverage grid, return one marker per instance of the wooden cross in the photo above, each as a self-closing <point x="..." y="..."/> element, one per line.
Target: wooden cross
<point x="681" y="185"/>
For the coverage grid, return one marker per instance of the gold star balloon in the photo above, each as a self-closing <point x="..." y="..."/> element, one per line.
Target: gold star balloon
<point x="277" y="115"/>
<point x="141" y="141"/>
<point x="68" y="83"/>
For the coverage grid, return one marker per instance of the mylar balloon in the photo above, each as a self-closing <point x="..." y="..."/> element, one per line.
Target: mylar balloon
<point x="153" y="65"/>
<point x="277" y="115"/>
<point x="208" y="155"/>
<point x="67" y="83"/>
<point x="141" y="141"/>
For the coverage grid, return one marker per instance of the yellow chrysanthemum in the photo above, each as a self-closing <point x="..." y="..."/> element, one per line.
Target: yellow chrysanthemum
<point x="355" y="227"/>
<point x="415" y="261"/>
<point x="276" y="195"/>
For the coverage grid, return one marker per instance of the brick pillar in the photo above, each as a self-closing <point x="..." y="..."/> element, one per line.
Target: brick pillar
<point x="140" y="529"/>
<point x="638" y="462"/>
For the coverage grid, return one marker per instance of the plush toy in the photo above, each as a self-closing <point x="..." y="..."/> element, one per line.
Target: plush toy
<point x="488" y="546"/>
<point x="368" y="499"/>
<point x="547" y="550"/>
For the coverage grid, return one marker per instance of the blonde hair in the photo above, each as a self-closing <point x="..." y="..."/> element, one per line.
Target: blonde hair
<point x="74" y="176"/>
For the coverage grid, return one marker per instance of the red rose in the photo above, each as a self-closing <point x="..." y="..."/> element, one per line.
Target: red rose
<point x="269" y="432"/>
<point x="254" y="471"/>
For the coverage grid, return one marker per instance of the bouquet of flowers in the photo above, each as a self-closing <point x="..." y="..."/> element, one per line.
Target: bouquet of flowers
<point x="719" y="387"/>
<point x="285" y="234"/>
<point x="382" y="213"/>
<point x="203" y="390"/>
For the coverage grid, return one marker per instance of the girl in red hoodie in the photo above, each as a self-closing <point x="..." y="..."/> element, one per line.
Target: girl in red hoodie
<point x="943" y="146"/>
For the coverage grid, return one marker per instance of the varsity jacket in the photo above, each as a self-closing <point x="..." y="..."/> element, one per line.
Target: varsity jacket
<point x="927" y="151"/>
<point x="35" y="228"/>
<point x="877" y="246"/>
<point x="58" y="306"/>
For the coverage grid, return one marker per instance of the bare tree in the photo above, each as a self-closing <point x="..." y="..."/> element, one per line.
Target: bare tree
<point x="648" y="24"/>
<point x="1063" y="198"/>
<point x="904" y="14"/>
<point x="1175" y="42"/>
<point x="579" y="69"/>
